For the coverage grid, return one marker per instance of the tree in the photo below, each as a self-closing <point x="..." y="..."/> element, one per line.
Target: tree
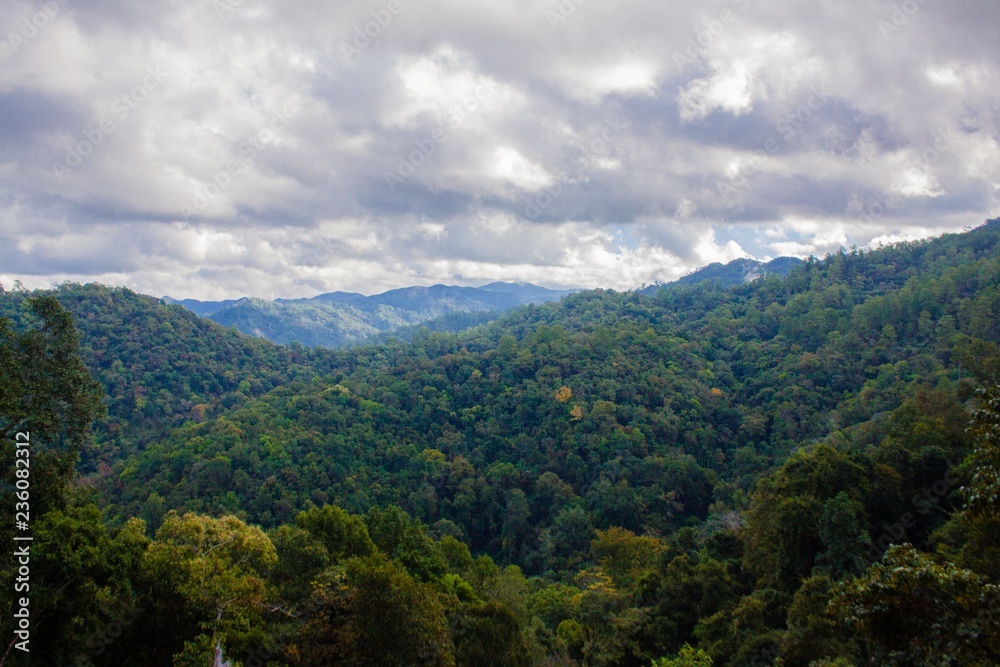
<point x="807" y="513"/>
<point x="687" y="657"/>
<point x="747" y="634"/>
<point x="343" y="535"/>
<point x="206" y="582"/>
<point x="813" y="632"/>
<point x="983" y="492"/>
<point x="300" y="558"/>
<point x="565" y="542"/>
<point x="47" y="403"/>
<point x="48" y="396"/>
<point x="44" y="386"/>
<point x="843" y="534"/>
<point x="624" y="556"/>
<point x="82" y="597"/>
<point x="488" y="634"/>
<point x="370" y="612"/>
<point x="909" y="610"/>
<point x="980" y="518"/>
<point x="404" y="539"/>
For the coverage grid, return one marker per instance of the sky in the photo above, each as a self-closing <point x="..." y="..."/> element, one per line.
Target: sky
<point x="222" y="148"/>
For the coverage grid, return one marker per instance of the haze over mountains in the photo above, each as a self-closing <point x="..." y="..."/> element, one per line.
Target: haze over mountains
<point x="339" y="319"/>
<point x="342" y="318"/>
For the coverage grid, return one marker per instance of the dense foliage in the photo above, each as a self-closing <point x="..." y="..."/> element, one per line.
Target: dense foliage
<point x="604" y="410"/>
<point x="795" y="471"/>
<point x="160" y="365"/>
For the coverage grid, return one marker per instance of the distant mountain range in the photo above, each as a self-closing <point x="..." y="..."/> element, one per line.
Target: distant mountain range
<point x="340" y="319"/>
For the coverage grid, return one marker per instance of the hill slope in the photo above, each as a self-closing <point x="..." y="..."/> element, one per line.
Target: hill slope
<point x="641" y="410"/>
<point x="162" y="365"/>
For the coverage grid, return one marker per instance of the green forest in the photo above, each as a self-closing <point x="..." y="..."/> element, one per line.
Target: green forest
<point x="802" y="470"/>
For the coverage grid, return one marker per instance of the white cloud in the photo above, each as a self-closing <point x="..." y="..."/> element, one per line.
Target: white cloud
<point x="511" y="166"/>
<point x="650" y="169"/>
<point x="728" y="90"/>
<point x="628" y="76"/>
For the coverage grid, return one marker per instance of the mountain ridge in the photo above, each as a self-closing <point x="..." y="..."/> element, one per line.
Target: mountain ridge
<point x="734" y="272"/>
<point x="339" y="319"/>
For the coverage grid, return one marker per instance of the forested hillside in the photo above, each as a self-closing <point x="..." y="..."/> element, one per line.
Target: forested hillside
<point x="735" y="272"/>
<point x="640" y="407"/>
<point x="777" y="472"/>
<point x="161" y="365"/>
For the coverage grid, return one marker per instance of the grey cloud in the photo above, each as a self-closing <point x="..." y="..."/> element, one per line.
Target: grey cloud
<point x="516" y="189"/>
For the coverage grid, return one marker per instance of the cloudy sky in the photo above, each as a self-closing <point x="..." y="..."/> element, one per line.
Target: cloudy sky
<point x="218" y="148"/>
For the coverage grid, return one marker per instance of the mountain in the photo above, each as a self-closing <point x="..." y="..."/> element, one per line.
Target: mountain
<point x="340" y="319"/>
<point x="771" y="472"/>
<point x="736" y="272"/>
<point x="702" y="384"/>
<point x="440" y="299"/>
<point x="201" y="308"/>
<point x="331" y="297"/>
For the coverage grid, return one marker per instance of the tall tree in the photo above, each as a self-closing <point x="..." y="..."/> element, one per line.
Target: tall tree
<point x="47" y="393"/>
<point x="47" y="402"/>
<point x="207" y="584"/>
